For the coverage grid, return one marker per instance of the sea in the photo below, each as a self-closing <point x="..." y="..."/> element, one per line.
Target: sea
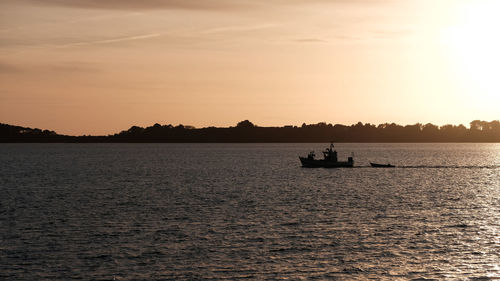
<point x="248" y="211"/>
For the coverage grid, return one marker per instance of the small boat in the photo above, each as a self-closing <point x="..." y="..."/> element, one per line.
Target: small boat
<point x="329" y="161"/>
<point x="375" y="165"/>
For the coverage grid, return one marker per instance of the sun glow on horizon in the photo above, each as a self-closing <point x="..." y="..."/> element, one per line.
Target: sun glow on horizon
<point x="97" y="67"/>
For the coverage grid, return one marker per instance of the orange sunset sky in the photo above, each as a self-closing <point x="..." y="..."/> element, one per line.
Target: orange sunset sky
<point x="101" y="66"/>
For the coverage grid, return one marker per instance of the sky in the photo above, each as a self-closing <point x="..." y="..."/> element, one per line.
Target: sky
<point x="100" y="66"/>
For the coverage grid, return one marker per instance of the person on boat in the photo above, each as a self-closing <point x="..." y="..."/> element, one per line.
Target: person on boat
<point x="330" y="154"/>
<point x="311" y="155"/>
<point x="326" y="154"/>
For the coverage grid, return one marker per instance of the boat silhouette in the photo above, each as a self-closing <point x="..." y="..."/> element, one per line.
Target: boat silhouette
<point x="329" y="160"/>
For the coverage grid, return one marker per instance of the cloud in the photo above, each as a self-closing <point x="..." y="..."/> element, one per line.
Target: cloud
<point x="19" y="45"/>
<point x="310" y="40"/>
<point x="345" y="37"/>
<point x="135" y="4"/>
<point x="6" y="68"/>
<point x="65" y="67"/>
<point x="74" y="67"/>
<point x="108" y="41"/>
<point x="182" y="4"/>
<point x="238" y="28"/>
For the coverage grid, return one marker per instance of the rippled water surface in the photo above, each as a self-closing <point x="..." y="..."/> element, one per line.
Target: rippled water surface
<point x="231" y="211"/>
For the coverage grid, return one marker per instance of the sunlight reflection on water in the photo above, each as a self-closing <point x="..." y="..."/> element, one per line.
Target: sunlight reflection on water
<point x="214" y="211"/>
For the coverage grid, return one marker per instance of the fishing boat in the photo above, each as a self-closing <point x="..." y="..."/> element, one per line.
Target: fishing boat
<point x="376" y="165"/>
<point x="329" y="160"/>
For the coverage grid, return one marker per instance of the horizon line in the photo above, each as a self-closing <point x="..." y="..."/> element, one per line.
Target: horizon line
<point x="322" y="123"/>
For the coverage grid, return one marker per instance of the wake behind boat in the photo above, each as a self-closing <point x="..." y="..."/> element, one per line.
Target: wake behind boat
<point x="329" y="161"/>
<point x="376" y="165"/>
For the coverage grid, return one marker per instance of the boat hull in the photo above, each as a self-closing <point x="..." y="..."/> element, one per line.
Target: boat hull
<point x="314" y="163"/>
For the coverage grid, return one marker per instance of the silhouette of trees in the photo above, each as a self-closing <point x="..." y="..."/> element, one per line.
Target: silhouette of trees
<point x="246" y="131"/>
<point x="9" y="133"/>
<point x="245" y="124"/>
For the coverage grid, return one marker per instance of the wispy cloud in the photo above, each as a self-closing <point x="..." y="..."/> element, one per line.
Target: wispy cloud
<point x="6" y="68"/>
<point x="71" y="67"/>
<point x="345" y="37"/>
<point x="238" y="28"/>
<point x="109" y="41"/>
<point x="135" y="4"/>
<point x="74" y="21"/>
<point x="310" y="40"/>
<point x="182" y="4"/>
<point x="61" y="67"/>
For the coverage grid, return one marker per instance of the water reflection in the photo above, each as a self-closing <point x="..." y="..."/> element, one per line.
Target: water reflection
<point x="248" y="211"/>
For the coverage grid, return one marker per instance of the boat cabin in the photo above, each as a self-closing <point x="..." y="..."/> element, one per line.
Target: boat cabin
<point x="330" y="154"/>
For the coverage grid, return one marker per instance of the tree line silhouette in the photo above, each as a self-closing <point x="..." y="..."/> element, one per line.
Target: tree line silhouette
<point x="246" y="131"/>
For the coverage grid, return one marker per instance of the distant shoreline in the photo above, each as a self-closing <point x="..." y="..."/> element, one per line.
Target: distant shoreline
<point x="166" y="142"/>
<point x="247" y="132"/>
